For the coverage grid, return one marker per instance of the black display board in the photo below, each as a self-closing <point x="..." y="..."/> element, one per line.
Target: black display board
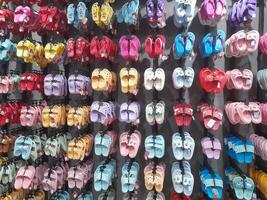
<point x="194" y="95"/>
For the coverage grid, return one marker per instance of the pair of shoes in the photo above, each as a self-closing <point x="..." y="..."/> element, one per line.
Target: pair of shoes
<point x="183" y="45"/>
<point x="183" y="12"/>
<point x="212" y="11"/>
<point x="156" y="13"/>
<point x="129" y="13"/>
<point x="77" y="15"/>
<point x="242" y="43"/>
<point x="212" y="44"/>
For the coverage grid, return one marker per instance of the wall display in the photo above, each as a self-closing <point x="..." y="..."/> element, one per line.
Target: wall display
<point x="142" y="99"/>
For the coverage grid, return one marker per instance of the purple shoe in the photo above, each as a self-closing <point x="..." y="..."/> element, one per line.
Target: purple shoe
<point x="241" y="8"/>
<point x="150" y="9"/>
<point x="251" y="8"/>
<point x="242" y="11"/>
<point x="161" y="14"/>
<point x="233" y="15"/>
<point x="160" y="8"/>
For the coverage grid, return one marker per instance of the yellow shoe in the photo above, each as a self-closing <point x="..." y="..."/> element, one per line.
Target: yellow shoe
<point x="96" y="13"/>
<point x="38" y="49"/>
<point x="124" y="77"/>
<point x="105" y="80"/>
<point x="49" y="52"/>
<point x="45" y="117"/>
<point x="20" y="49"/>
<point x="70" y="117"/>
<point x="28" y="53"/>
<point x="133" y="80"/>
<point x="59" y="48"/>
<point x="106" y="14"/>
<point x="63" y="114"/>
<point x="70" y="151"/>
<point x="109" y="1"/>
<point x="40" y="195"/>
<point x="95" y="79"/>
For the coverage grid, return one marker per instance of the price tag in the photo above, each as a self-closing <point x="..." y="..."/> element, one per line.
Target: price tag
<point x="84" y="20"/>
<point x="103" y="55"/>
<point x="164" y="57"/>
<point x="135" y="91"/>
<point x="248" y="82"/>
<point x="256" y="114"/>
<point x="146" y="155"/>
<point x="21" y="29"/>
<point x="50" y="19"/>
<point x="211" y="123"/>
<point x="254" y="196"/>
<point x="2" y="18"/>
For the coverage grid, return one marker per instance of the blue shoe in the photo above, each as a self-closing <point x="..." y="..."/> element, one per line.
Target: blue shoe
<point x="18" y="148"/>
<point x="179" y="46"/>
<point x="107" y="195"/>
<point x="219" y="43"/>
<point x="189" y="43"/>
<point x="103" y="175"/>
<point x="248" y="188"/>
<point x="71" y="13"/>
<point x="81" y="11"/>
<point x="155" y="146"/>
<point x="211" y="185"/>
<point x="129" y="13"/>
<point x="85" y="196"/>
<point x="249" y="154"/>
<point x="102" y="144"/>
<point x="27" y="145"/>
<point x="129" y="176"/>
<point x="206" y="46"/>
